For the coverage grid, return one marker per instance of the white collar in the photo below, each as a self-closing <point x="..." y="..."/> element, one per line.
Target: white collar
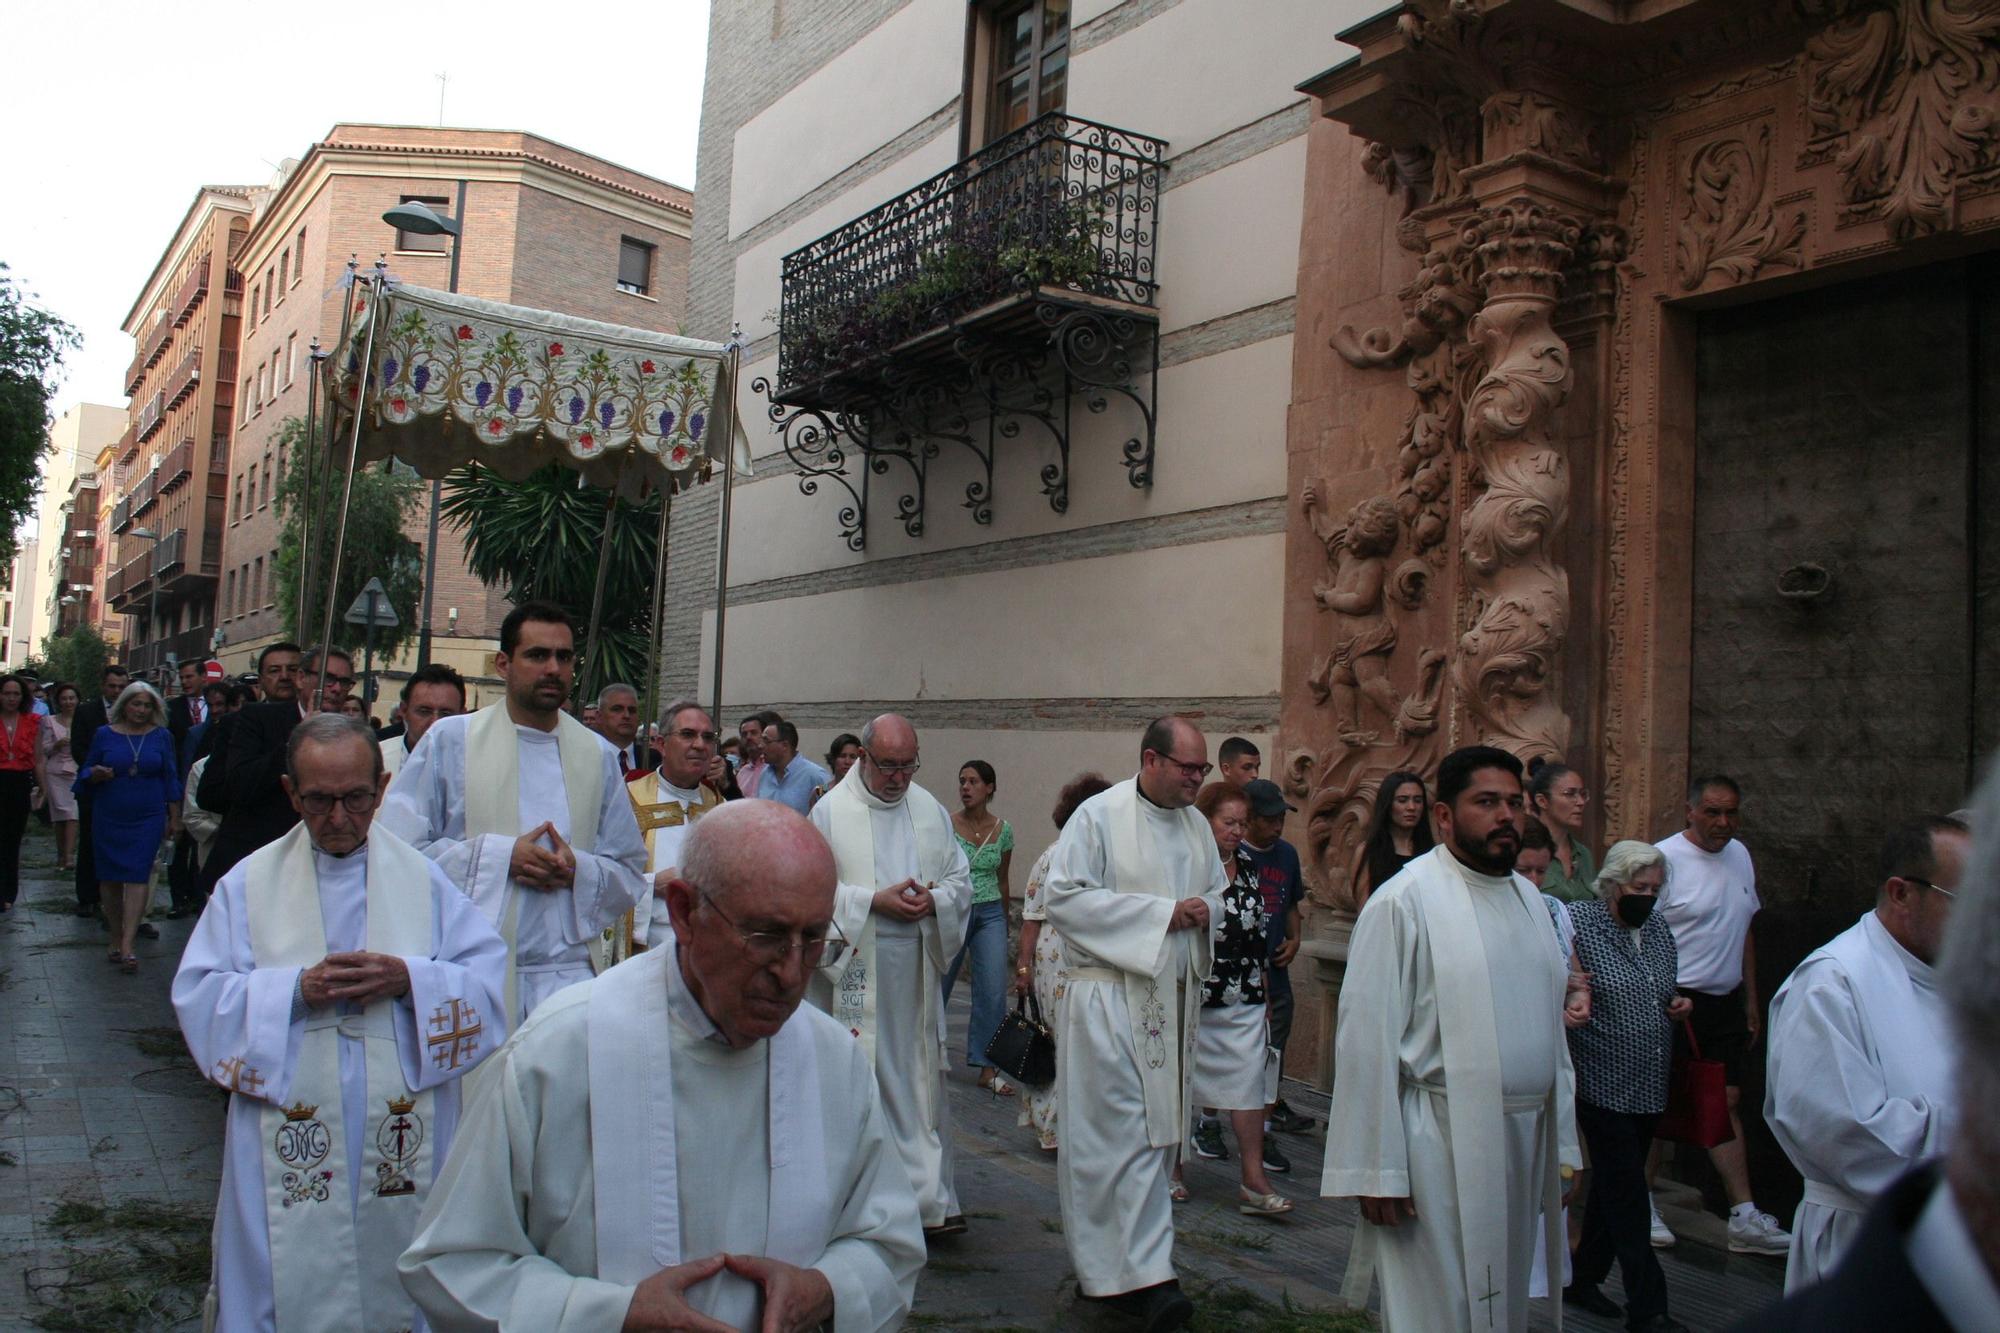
<point x="685" y="795"/>
<point x="1941" y="1251"/>
<point x="687" y="1010"/>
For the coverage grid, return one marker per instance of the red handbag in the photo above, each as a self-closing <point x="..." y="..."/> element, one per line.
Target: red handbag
<point x="1697" y="1099"/>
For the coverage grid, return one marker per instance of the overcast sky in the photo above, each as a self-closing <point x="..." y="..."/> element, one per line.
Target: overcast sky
<point x="117" y="111"/>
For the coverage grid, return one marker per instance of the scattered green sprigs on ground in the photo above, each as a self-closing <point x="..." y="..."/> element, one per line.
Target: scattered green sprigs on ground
<point x="57" y="906"/>
<point x="8" y="1159"/>
<point x="1230" y="1238"/>
<point x="1240" y="1310"/>
<point x="937" y="1265"/>
<point x="156" y="1041"/>
<point x="1052" y="1225"/>
<point x="107" y="1144"/>
<point x="148" y="1264"/>
<point x="50" y="946"/>
<point x="986" y="1217"/>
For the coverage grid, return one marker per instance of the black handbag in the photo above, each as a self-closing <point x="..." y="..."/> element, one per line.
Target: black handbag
<point x="1024" y="1049"/>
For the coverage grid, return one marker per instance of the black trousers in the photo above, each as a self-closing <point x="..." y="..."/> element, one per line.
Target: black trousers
<point x="181" y="876"/>
<point x="86" y="856"/>
<point x="14" y="789"/>
<point x="1617" y="1219"/>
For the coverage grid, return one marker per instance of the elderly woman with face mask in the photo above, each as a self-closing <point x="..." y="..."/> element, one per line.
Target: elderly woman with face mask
<point x="1622" y="1057"/>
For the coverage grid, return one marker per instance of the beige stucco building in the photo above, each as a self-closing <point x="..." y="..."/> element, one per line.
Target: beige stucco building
<point x="65" y="528"/>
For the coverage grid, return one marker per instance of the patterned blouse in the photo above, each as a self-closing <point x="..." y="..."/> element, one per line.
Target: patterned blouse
<point x="984" y="858"/>
<point x="1623" y="1054"/>
<point x="1240" y="944"/>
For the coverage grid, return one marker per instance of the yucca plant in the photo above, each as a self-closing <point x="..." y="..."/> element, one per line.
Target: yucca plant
<point x="539" y="538"/>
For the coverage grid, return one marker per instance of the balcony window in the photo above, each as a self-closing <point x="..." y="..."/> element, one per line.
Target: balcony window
<point x="635" y="266"/>
<point x="1028" y="64"/>
<point x="410" y="240"/>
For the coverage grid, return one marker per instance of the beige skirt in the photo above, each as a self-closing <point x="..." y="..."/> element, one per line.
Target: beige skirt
<point x="1229" y="1058"/>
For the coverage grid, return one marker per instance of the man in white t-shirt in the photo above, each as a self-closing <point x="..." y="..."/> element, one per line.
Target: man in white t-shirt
<point x="1709" y="900"/>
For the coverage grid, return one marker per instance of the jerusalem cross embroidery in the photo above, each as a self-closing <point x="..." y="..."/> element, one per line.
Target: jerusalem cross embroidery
<point x="236" y="1076"/>
<point x="454" y="1034"/>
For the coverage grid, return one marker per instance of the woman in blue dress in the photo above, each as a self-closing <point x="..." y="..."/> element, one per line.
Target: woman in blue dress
<point x="135" y="805"/>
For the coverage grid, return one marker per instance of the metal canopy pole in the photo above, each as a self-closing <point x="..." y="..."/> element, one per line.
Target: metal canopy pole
<point x="657" y="637"/>
<point x="724" y="407"/>
<point x="353" y="453"/>
<point x="591" y="635"/>
<point x="319" y="468"/>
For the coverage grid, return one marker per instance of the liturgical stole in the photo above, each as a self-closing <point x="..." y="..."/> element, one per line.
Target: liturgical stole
<point x="655" y="810"/>
<point x="319" y="1247"/>
<point x="493" y="799"/>
<point x="637" y="1210"/>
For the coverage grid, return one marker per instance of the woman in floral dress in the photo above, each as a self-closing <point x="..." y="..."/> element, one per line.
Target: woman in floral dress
<point x="1042" y="963"/>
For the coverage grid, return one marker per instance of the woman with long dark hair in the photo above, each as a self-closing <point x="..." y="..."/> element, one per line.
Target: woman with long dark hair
<point x="988" y="843"/>
<point x="1399" y="833"/>
<point x="20" y="772"/>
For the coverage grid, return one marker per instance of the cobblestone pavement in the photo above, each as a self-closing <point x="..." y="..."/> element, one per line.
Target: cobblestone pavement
<point x="100" y="1106"/>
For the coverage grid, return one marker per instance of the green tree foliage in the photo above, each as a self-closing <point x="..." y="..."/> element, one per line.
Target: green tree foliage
<point x="539" y="539"/>
<point x="78" y="657"/>
<point x="33" y="343"/>
<point x="376" y="546"/>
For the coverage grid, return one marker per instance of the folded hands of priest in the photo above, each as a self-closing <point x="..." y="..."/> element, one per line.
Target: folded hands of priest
<point x="795" y="1299"/>
<point x="354" y="978"/>
<point x="545" y="868"/>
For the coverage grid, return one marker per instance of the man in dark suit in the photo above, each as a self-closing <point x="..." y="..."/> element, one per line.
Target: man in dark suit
<point x="90" y="715"/>
<point x="247" y="757"/>
<point x="618" y="722"/>
<point x="1927" y="1256"/>
<point x="186" y="709"/>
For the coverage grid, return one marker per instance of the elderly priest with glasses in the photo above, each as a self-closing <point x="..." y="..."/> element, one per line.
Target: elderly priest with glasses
<point x="339" y="987"/>
<point x="748" y="1180"/>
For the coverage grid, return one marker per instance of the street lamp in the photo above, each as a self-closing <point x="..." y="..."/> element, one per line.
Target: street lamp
<point x="153" y="588"/>
<point x="419" y="220"/>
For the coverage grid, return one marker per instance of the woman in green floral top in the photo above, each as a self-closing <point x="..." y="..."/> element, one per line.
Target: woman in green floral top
<point x="988" y="841"/>
<point x="1557" y="797"/>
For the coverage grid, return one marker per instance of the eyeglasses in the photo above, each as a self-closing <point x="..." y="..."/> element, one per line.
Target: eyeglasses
<point x="1196" y="771"/>
<point x="768" y="947"/>
<point x="1949" y="893"/>
<point x="357" y="802"/>
<point x="335" y="680"/>
<point x="688" y="735"/>
<point x="892" y="770"/>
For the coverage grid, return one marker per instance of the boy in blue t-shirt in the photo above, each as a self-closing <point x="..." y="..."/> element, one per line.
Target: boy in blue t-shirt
<point x="1278" y="874"/>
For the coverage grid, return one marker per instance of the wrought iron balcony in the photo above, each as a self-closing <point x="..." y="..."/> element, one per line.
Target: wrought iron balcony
<point x="190" y="645"/>
<point x="185" y="378"/>
<point x="980" y="301"/>
<point x="121" y="515"/>
<point x="192" y="290"/>
<point x="176" y="466"/>
<point x="151" y="416"/>
<point x="128" y="446"/>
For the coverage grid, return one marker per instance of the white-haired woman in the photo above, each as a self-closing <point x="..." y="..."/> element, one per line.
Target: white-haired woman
<point x="1622" y="1057"/>
<point x="135" y="804"/>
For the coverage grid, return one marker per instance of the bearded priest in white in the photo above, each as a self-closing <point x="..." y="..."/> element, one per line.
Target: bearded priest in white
<point x="748" y="1181"/>
<point x="339" y="986"/>
<point x="1453" y="1116"/>
<point x="525" y="809"/>
<point x="1860" y="1081"/>
<point x="905" y="891"/>
<point x="1135" y="887"/>
<point x="666" y="803"/>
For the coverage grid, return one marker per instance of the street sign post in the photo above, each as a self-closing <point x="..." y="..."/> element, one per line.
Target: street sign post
<point x="371" y="608"/>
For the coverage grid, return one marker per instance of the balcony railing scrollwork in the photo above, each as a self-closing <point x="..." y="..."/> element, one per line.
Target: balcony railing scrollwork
<point x="976" y="308"/>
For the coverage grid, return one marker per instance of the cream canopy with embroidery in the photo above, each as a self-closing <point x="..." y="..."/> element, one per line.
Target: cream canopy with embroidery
<point x="454" y="379"/>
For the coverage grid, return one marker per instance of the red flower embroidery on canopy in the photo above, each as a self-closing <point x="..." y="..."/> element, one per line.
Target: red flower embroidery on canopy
<point x="586" y="439"/>
<point x="555" y="349"/>
<point x="494" y="427"/>
<point x="400" y="404"/>
<point x="645" y="367"/>
<point x="465" y="333"/>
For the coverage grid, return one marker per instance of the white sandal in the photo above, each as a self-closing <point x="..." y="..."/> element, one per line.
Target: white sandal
<point x="1262" y="1205"/>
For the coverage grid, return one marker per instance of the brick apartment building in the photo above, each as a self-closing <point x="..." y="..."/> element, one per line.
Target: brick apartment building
<point x="543" y="225"/>
<point x="166" y="509"/>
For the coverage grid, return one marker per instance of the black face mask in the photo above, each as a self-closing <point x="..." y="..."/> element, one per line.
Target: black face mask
<point x="1634" y="908"/>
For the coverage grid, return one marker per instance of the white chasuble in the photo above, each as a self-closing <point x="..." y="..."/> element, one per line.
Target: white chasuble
<point x="339" y="1116"/>
<point x="1860" y="1087"/>
<point x="475" y="784"/>
<point x="885" y="991"/>
<point x="1125" y="1042"/>
<point x="1451" y="1089"/>
<point x="777" y="1149"/>
<point x="665" y="813"/>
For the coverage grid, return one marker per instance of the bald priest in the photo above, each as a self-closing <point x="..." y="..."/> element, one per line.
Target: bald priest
<point x="753" y="1184"/>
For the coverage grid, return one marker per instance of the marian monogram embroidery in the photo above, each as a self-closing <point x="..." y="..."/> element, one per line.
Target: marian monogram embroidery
<point x="1153" y="1023"/>
<point x="302" y="1144"/>
<point x="454" y="1034"/>
<point x="397" y="1138"/>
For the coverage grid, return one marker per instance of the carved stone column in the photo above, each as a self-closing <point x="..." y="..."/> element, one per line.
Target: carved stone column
<point x="1517" y="597"/>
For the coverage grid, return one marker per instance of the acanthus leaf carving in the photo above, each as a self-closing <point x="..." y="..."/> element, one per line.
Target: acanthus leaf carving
<point x="1904" y="95"/>
<point x="1728" y="224"/>
<point x="1516" y="121"/>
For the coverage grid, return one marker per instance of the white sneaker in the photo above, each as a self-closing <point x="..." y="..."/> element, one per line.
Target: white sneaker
<point x="1663" y="1239"/>
<point x="1759" y="1233"/>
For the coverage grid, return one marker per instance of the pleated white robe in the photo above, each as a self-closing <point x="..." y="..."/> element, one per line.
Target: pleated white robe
<point x="511" y="1236"/>
<point x="239" y="1025"/>
<point x="1397" y="1130"/>
<point x="426" y="807"/>
<point x="1860" y="1086"/>
<point x="906" y="1039"/>
<point x="1117" y="1155"/>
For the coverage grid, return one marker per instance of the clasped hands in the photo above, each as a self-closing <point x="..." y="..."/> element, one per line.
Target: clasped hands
<point x="354" y="978"/>
<point x="795" y="1299"/>
<point x="544" y="869"/>
<point x="907" y="901"/>
<point x="1189" y="914"/>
